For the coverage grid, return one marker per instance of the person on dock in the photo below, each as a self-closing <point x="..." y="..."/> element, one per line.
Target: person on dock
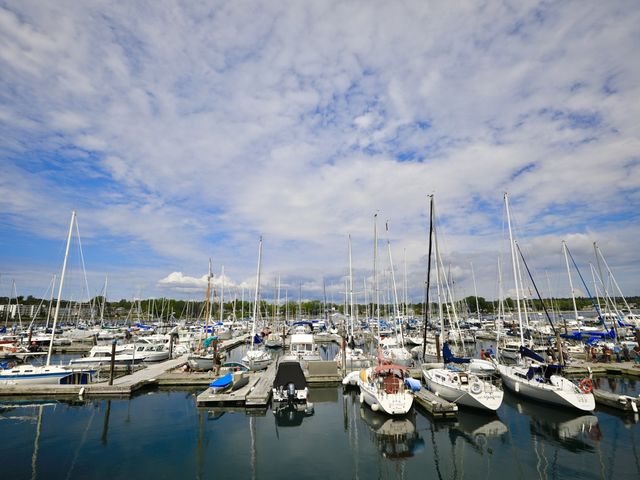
<point x="490" y="353"/>
<point x="636" y="359"/>
<point x="625" y="353"/>
<point x="483" y="355"/>
<point x="616" y="352"/>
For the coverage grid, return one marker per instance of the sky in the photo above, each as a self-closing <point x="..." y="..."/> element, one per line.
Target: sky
<point x="184" y="131"/>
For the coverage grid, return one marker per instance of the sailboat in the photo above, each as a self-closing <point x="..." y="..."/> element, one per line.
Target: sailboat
<point x="354" y="357"/>
<point x="382" y="386"/>
<point x="393" y="346"/>
<point x="50" y="374"/>
<point x="257" y="358"/>
<point x="457" y="384"/>
<point x="205" y="358"/>
<point x="532" y="377"/>
<point x="462" y="386"/>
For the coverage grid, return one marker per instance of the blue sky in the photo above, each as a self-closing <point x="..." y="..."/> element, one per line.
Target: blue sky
<point x="183" y="131"/>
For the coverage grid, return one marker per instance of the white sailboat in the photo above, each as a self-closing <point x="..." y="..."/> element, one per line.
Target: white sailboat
<point x="457" y="383"/>
<point x="382" y="387"/>
<point x="354" y="357"/>
<point x="393" y="348"/>
<point x="204" y="358"/>
<point x="49" y="374"/>
<point x="257" y="358"/>
<point x="532" y="377"/>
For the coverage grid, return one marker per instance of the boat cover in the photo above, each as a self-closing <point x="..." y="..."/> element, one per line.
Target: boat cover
<point x="222" y="381"/>
<point x="289" y="372"/>
<point x="449" y="357"/>
<point x="526" y="352"/>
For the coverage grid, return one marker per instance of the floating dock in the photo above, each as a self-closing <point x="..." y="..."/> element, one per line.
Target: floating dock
<point x="437" y="407"/>
<point x="122" y="386"/>
<point x="256" y="394"/>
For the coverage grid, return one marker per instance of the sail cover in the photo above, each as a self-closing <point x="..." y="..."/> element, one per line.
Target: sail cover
<point x="526" y="352"/>
<point x="448" y="356"/>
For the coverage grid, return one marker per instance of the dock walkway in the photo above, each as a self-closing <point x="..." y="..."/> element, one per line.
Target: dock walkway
<point x="256" y="394"/>
<point x="437" y="407"/>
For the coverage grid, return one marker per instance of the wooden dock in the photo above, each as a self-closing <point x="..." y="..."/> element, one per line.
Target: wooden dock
<point x="437" y="407"/>
<point x="256" y="394"/>
<point x="122" y="386"/>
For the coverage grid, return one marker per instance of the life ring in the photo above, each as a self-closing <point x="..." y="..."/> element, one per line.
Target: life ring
<point x="586" y="385"/>
<point x="476" y="388"/>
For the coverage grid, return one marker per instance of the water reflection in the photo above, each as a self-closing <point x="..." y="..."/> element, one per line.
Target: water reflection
<point x="570" y="429"/>
<point x="475" y="428"/>
<point x="396" y="438"/>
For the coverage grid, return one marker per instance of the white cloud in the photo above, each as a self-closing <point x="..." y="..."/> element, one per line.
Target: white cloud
<point x="201" y="127"/>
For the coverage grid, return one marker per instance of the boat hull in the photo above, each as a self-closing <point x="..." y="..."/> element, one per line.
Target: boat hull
<point x="488" y="397"/>
<point x="546" y="393"/>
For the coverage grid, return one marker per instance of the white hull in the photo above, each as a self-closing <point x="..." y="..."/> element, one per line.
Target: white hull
<point x="257" y="359"/>
<point x="372" y="394"/>
<point x="476" y="394"/>
<point x="564" y="393"/>
<point x="37" y="375"/>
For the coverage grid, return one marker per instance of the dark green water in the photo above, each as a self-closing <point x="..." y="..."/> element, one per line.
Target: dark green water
<point x="162" y="434"/>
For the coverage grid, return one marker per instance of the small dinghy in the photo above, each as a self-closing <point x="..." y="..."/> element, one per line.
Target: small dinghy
<point x="239" y="383"/>
<point x="221" y="384"/>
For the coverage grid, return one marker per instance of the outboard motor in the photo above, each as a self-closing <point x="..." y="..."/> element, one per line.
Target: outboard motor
<point x="291" y="392"/>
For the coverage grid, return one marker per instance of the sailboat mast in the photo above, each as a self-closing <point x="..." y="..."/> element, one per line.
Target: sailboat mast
<point x="375" y="271"/>
<point x="515" y="269"/>
<point x="222" y="296"/>
<point x="64" y="269"/>
<point x="257" y="294"/>
<point x="475" y="291"/>
<point x="395" y="291"/>
<point x="104" y="301"/>
<point x="428" y="286"/>
<point x="351" y="309"/>
<point x="573" y="292"/>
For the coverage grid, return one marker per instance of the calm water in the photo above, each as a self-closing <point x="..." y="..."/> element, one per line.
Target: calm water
<point x="162" y="434"/>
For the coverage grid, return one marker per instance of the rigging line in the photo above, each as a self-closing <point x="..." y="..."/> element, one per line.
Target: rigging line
<point x="586" y="288"/>
<point x="546" y="312"/>
<point x="84" y="270"/>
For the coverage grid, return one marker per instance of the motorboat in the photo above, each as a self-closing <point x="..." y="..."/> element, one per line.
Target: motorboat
<point x="45" y="374"/>
<point x="290" y="387"/>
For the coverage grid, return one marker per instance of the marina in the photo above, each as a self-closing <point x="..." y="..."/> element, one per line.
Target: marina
<point x="319" y="240"/>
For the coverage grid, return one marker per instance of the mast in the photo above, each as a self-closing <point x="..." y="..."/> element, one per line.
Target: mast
<point x="64" y="269"/>
<point x="573" y="292"/>
<point x="406" y="296"/>
<point x="475" y="291"/>
<point x="351" y="309"/>
<point x="375" y="273"/>
<point x="257" y="294"/>
<point x="426" y="306"/>
<point x="395" y="291"/>
<point x="515" y="269"/>
<point x="104" y="301"/>
<point x="222" y="296"/>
